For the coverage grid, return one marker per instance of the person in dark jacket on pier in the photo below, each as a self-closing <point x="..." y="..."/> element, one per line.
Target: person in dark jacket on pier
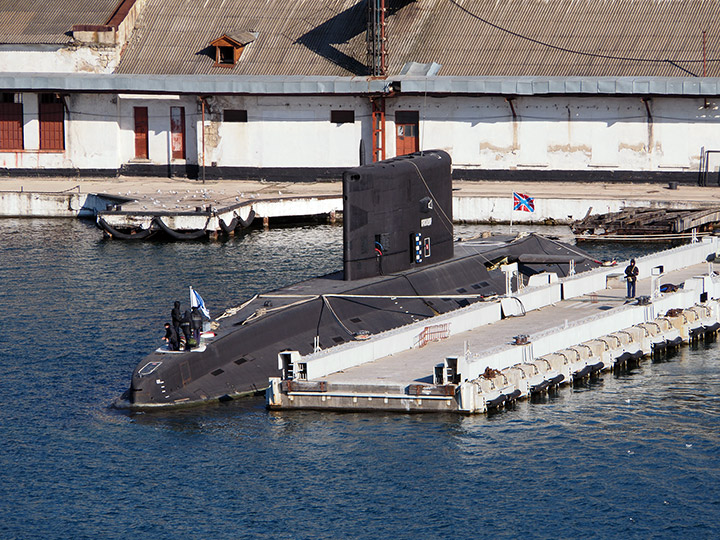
<point x="176" y="315"/>
<point x="631" y="274"/>
<point x="171" y="337"/>
<point x="196" y="323"/>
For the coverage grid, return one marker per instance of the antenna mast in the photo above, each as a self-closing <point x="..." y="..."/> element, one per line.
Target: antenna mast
<point x="376" y="49"/>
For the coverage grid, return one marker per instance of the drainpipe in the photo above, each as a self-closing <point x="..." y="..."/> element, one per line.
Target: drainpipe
<point x="202" y="100"/>
<point x="646" y="101"/>
<point x="512" y="107"/>
<point x="509" y="101"/>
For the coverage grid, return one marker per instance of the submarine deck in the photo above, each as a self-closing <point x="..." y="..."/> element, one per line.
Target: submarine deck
<point x="334" y="283"/>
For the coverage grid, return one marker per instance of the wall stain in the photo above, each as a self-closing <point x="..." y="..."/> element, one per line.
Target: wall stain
<point x="493" y="148"/>
<point x="639" y="147"/>
<point x="570" y="148"/>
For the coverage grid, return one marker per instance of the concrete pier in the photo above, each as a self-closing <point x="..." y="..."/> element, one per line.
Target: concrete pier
<point x="208" y="217"/>
<point x="182" y="205"/>
<point x="64" y="204"/>
<point x="473" y="201"/>
<point x="553" y="332"/>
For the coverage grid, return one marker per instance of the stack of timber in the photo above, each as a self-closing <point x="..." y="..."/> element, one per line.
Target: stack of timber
<point x="653" y="223"/>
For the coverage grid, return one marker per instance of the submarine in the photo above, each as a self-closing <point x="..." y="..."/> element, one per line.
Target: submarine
<point x="401" y="264"/>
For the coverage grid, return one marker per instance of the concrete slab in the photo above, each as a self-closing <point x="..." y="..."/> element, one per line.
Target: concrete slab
<point x="224" y="192"/>
<point x="417" y="365"/>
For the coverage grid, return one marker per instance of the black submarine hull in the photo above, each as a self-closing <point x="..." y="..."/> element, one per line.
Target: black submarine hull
<point x="243" y="356"/>
<point x="400" y="265"/>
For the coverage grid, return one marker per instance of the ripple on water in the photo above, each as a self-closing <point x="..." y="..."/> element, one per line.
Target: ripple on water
<point x="631" y="455"/>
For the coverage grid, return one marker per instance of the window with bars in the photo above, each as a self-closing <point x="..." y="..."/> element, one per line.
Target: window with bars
<point x="52" y="122"/>
<point x="11" y="122"/>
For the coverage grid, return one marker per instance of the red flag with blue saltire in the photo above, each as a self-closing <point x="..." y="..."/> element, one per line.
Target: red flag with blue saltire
<point x="523" y="203"/>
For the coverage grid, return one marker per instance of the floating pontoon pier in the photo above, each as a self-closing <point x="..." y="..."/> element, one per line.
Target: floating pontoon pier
<point x="551" y="332"/>
<point x="205" y="220"/>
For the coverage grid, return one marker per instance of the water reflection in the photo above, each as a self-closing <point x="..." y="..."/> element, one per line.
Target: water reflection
<point x="637" y="445"/>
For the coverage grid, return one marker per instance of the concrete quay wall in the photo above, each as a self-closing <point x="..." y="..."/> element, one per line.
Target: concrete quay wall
<point x="466" y="209"/>
<point x="62" y="204"/>
<point x="473" y="201"/>
<point x="476" y="209"/>
<point x="475" y="315"/>
<point x="517" y="374"/>
<point x="648" y="323"/>
<point x="561" y="357"/>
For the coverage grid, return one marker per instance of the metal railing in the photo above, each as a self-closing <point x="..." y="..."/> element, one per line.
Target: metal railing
<point x="705" y="167"/>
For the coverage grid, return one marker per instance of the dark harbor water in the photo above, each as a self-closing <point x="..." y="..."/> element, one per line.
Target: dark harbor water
<point x="629" y="455"/>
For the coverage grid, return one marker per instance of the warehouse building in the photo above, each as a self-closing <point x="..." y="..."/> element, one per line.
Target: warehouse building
<point x="300" y="89"/>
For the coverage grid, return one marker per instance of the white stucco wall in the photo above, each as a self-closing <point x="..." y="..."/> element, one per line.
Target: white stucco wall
<point x="547" y="133"/>
<point x="92" y="132"/>
<point x="569" y="133"/>
<point x="58" y="59"/>
<point x="91" y="136"/>
<point x="158" y="128"/>
<point x="283" y="132"/>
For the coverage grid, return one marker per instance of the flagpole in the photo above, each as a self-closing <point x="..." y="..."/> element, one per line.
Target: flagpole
<point x="512" y="209"/>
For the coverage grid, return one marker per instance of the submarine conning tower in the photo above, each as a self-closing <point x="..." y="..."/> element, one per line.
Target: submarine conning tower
<point x="397" y="214"/>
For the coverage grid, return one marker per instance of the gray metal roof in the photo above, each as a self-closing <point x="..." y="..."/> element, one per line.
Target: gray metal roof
<point x="581" y="38"/>
<point x="299" y="85"/>
<point x="515" y="38"/>
<point x="48" y="21"/>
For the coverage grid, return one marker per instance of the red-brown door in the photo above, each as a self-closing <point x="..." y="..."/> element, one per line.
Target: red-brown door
<point x="141" y="132"/>
<point x="177" y="132"/>
<point x="407" y="131"/>
<point x="52" y="122"/>
<point x="11" y="126"/>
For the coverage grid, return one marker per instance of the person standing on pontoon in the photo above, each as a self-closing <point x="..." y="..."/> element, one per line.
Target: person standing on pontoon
<point x="631" y="274"/>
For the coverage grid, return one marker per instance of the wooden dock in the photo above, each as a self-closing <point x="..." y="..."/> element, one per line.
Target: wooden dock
<point x="481" y="363"/>
<point x="647" y="222"/>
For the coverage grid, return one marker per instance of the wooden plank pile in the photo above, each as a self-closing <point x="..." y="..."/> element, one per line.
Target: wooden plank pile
<point x="647" y="221"/>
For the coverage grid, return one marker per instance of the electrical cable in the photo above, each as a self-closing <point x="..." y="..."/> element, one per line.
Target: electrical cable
<point x="581" y="53"/>
<point x="327" y="303"/>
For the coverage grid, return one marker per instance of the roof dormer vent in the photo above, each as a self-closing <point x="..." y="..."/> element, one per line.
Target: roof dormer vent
<point x="229" y="47"/>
